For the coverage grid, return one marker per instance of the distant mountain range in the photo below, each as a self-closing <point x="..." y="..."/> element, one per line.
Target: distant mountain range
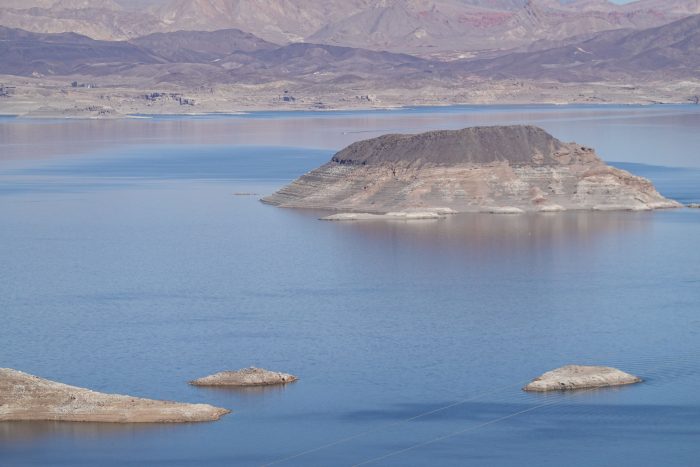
<point x="115" y="57"/>
<point x="446" y="29"/>
<point x="662" y="53"/>
<point x="32" y="54"/>
<point x="204" y="57"/>
<point x="667" y="52"/>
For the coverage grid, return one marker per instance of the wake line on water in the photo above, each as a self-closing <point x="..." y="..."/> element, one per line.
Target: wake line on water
<point x="393" y="424"/>
<point x="669" y="367"/>
<point x="560" y="401"/>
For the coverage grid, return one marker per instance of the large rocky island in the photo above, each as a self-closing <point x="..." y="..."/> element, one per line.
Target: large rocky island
<point x="499" y="169"/>
<point x="28" y="397"/>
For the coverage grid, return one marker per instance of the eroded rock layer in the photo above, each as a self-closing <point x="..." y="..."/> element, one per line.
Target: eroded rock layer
<point x="480" y="169"/>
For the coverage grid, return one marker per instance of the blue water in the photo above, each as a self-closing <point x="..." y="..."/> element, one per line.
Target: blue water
<point x="129" y="266"/>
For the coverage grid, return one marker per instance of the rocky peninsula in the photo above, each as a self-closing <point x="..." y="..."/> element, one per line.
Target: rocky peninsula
<point x="499" y="169"/>
<point x="245" y="378"/>
<point x="573" y="377"/>
<point x="28" y="397"/>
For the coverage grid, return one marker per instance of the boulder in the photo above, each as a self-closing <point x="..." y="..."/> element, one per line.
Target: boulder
<point x="573" y="377"/>
<point x="244" y="378"/>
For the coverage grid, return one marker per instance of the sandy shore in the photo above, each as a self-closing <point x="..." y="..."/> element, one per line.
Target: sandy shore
<point x="56" y="98"/>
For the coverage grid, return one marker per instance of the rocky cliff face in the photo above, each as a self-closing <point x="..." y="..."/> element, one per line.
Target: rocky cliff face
<point x="482" y="169"/>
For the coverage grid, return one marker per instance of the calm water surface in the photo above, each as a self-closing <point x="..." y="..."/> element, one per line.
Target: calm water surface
<point x="127" y="265"/>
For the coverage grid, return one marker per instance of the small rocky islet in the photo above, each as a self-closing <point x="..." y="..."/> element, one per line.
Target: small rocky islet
<point x="25" y="397"/>
<point x="573" y="377"/>
<point x="498" y="170"/>
<point x="247" y="377"/>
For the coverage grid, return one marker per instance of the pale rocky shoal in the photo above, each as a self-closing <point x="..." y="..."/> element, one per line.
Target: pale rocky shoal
<point x="245" y="378"/>
<point x="572" y="377"/>
<point x="27" y="397"/>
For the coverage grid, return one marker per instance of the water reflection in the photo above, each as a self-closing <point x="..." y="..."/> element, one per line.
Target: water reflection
<point x="560" y="409"/>
<point x="22" y="432"/>
<point x="490" y="234"/>
<point x="140" y="253"/>
<point x="246" y="392"/>
<point x="620" y="133"/>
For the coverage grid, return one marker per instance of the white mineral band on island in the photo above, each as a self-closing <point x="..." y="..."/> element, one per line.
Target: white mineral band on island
<point x="498" y="170"/>
<point x="245" y="378"/>
<point x="572" y="377"/>
<point x="400" y="216"/>
<point x="27" y="397"/>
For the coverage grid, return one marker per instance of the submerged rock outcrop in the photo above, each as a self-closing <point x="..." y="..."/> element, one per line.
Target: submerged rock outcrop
<point x="245" y="377"/>
<point x="28" y="397"/>
<point x="500" y="169"/>
<point x="573" y="377"/>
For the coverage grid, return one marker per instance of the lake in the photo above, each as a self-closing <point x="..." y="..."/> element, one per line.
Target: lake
<point x="129" y="266"/>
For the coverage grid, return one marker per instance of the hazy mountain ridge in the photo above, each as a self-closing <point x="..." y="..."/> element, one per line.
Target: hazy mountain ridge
<point x="101" y="22"/>
<point x="424" y="27"/>
<point x="25" y="53"/>
<point x="232" y="69"/>
<point x="212" y="57"/>
<point x="410" y="26"/>
<point x="671" y="51"/>
<point x="201" y="47"/>
<point x="274" y="20"/>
